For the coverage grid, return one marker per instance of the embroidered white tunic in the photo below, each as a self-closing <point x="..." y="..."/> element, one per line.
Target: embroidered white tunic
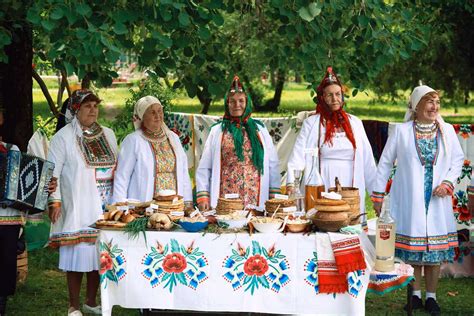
<point x="135" y="175"/>
<point x="81" y="204"/>
<point x="337" y="160"/>
<point x="208" y="174"/>
<point x="418" y="230"/>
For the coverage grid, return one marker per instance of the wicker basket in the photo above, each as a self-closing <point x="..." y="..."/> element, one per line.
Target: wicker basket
<point x="272" y="204"/>
<point x="352" y="197"/>
<point x="22" y="267"/>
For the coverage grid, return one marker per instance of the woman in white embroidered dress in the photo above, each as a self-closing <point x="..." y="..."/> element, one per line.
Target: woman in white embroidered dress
<point x="340" y="139"/>
<point x="429" y="159"/>
<point x="84" y="154"/>
<point x="151" y="158"/>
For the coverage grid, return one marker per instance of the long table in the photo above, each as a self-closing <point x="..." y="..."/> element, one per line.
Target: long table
<point x="270" y="273"/>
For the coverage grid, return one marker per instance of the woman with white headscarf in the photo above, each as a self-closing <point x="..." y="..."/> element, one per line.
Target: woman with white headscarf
<point x="151" y="158"/>
<point x="84" y="154"/>
<point x="429" y="159"/>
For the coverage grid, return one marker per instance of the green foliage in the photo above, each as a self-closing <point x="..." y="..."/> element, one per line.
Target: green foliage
<point x="446" y="61"/>
<point x="123" y="124"/>
<point x="45" y="126"/>
<point x="257" y="92"/>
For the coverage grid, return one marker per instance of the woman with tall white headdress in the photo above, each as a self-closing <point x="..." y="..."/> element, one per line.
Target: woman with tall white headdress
<point x="429" y="159"/>
<point x="151" y="158"/>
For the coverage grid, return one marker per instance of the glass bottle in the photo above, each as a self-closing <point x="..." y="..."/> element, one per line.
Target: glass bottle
<point x="296" y="194"/>
<point x="314" y="182"/>
<point x="385" y="239"/>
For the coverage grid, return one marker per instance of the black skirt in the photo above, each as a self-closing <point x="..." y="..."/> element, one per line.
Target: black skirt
<point x="8" y="253"/>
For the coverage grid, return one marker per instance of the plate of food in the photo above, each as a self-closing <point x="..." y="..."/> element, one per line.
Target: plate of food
<point x="235" y="220"/>
<point x="193" y="224"/>
<point x="268" y="224"/>
<point x="297" y="225"/>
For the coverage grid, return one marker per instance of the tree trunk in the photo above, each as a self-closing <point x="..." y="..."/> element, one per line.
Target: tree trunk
<point x="205" y="101"/>
<point x="86" y="82"/>
<point x="274" y="103"/>
<point x="298" y="77"/>
<point x="16" y="86"/>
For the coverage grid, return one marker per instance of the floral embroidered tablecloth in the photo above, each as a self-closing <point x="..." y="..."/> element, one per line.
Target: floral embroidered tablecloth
<point x="267" y="273"/>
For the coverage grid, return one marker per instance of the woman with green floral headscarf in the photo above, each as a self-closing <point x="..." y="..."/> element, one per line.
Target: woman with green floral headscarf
<point x="239" y="156"/>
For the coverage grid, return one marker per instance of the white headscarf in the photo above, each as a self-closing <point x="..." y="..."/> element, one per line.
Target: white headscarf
<point x="140" y="108"/>
<point x="415" y="97"/>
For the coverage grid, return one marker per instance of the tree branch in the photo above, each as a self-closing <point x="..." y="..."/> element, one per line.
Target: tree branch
<point x="46" y="94"/>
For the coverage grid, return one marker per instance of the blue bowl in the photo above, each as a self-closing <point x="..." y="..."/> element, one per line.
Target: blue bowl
<point x="193" y="227"/>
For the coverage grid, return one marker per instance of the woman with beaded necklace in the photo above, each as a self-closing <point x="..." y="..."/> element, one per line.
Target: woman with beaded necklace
<point x="429" y="159"/>
<point x="151" y="158"/>
<point x="84" y="154"/>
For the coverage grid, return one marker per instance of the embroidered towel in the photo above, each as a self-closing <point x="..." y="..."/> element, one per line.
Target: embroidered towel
<point x="330" y="280"/>
<point x="347" y="252"/>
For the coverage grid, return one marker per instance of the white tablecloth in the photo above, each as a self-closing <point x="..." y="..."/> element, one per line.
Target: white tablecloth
<point x="270" y="273"/>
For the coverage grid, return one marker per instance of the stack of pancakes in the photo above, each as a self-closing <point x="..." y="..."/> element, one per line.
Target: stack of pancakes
<point x="227" y="206"/>
<point x="172" y="205"/>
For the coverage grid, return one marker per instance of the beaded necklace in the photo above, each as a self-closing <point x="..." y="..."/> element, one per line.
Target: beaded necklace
<point x="154" y="137"/>
<point x="425" y="131"/>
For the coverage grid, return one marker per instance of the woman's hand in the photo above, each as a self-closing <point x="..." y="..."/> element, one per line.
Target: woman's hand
<point x="441" y="191"/>
<point x="53" y="185"/>
<point x="377" y="208"/>
<point x="54" y="212"/>
<point x="203" y="206"/>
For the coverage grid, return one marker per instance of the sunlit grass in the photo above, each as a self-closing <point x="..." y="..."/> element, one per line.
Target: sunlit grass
<point x="295" y="98"/>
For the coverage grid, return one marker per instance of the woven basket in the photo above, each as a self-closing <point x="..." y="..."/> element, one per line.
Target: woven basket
<point x="352" y="197"/>
<point x="22" y="267"/>
<point x="272" y="204"/>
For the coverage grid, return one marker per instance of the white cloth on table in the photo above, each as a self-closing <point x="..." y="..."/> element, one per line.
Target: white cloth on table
<point x="407" y="204"/>
<point x="363" y="169"/>
<point x="208" y="174"/>
<point x="135" y="175"/>
<point x="82" y="257"/>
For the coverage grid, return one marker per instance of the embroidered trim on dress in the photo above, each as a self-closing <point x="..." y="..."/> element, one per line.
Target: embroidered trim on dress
<point x="11" y="220"/>
<point x="68" y="239"/>
<point x="95" y="148"/>
<point x="416" y="244"/>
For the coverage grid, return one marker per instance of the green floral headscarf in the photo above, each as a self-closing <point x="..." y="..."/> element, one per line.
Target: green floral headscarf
<point x="234" y="125"/>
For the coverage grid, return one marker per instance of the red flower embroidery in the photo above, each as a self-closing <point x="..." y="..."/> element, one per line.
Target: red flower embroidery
<point x="185" y="140"/>
<point x="174" y="263"/>
<point x="464" y="214"/>
<point x="105" y="262"/>
<point x="256" y="265"/>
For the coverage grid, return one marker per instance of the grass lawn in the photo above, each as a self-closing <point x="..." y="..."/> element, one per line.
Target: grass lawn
<point x="295" y="98"/>
<point x="45" y="291"/>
